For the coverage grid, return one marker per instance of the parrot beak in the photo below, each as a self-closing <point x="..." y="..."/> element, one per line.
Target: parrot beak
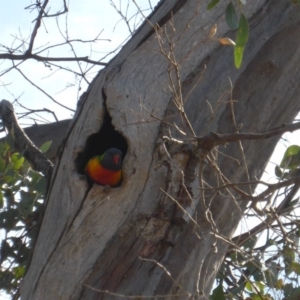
<point x="116" y="159"/>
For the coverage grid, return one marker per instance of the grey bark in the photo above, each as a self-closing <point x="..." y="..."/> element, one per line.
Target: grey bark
<point x="93" y="238"/>
<point x="54" y="132"/>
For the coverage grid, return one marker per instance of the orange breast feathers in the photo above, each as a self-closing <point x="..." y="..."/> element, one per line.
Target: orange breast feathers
<point x="106" y="169"/>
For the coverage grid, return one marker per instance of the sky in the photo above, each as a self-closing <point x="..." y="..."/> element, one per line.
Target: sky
<point x="85" y="20"/>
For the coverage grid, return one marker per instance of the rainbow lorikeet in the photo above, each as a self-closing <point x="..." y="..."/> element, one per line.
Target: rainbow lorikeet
<point x="106" y="168"/>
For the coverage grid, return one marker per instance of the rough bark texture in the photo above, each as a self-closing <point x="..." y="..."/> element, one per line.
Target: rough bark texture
<point x="93" y="238"/>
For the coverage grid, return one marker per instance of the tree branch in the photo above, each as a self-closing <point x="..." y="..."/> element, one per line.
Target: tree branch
<point x="23" y="144"/>
<point x="243" y="238"/>
<point x="213" y="139"/>
<point x="28" y="55"/>
<point x="36" y="27"/>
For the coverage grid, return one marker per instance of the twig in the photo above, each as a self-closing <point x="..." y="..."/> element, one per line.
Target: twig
<point x="133" y="297"/>
<point x="181" y="207"/>
<point x="213" y="139"/>
<point x="168" y="273"/>
<point x="36" y="27"/>
<point x="243" y="238"/>
<point x="26" y="56"/>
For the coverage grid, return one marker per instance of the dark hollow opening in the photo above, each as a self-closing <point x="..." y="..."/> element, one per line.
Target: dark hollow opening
<point x="98" y="143"/>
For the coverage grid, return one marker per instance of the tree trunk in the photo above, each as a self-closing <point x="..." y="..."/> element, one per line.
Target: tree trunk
<point x="156" y="234"/>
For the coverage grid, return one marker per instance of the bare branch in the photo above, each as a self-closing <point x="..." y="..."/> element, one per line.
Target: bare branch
<point x="34" y="111"/>
<point x="243" y="238"/>
<point x="27" y="55"/>
<point x="134" y="297"/>
<point x="36" y="27"/>
<point x="213" y="139"/>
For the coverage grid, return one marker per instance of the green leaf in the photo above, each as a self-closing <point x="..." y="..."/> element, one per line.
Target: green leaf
<point x="251" y="243"/>
<point x="212" y="4"/>
<point x="16" y="242"/>
<point x="23" y="256"/>
<point x="254" y="286"/>
<point x="10" y="176"/>
<point x="291" y="158"/>
<point x="271" y="278"/>
<point x="290" y="292"/>
<point x="238" y="257"/>
<point x="259" y="285"/>
<point x="278" y="172"/>
<point x="9" y="197"/>
<point x="14" y="157"/>
<point x="255" y="268"/>
<point x="279" y="284"/>
<point x="1" y="199"/>
<point x="8" y="219"/>
<point x="259" y="275"/>
<point x="248" y="286"/>
<point x="19" y="272"/>
<point x="40" y="186"/>
<point x="238" y="56"/>
<point x="288" y="254"/>
<point x="45" y="147"/>
<point x="9" y="179"/>
<point x="289" y="258"/>
<point x="19" y="163"/>
<point x="26" y="203"/>
<point x="237" y="290"/>
<point x="2" y="164"/>
<point x="5" y="250"/>
<point x="243" y="32"/>
<point x="241" y="41"/>
<point x="231" y="16"/>
<point x="10" y="138"/>
<point x="218" y="293"/>
<point x="295" y="267"/>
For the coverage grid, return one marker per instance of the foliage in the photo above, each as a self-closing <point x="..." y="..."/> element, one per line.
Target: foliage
<point x="21" y="194"/>
<point x="234" y="22"/>
<point x="271" y="269"/>
<point x="290" y="164"/>
<point x="240" y="24"/>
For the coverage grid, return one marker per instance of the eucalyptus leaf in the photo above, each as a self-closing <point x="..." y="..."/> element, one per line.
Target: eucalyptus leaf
<point x="218" y="293"/>
<point x="238" y="56"/>
<point x="291" y="158"/>
<point x="19" y="272"/>
<point x="231" y="16"/>
<point x="241" y="41"/>
<point x="45" y="147"/>
<point x="212" y="4"/>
